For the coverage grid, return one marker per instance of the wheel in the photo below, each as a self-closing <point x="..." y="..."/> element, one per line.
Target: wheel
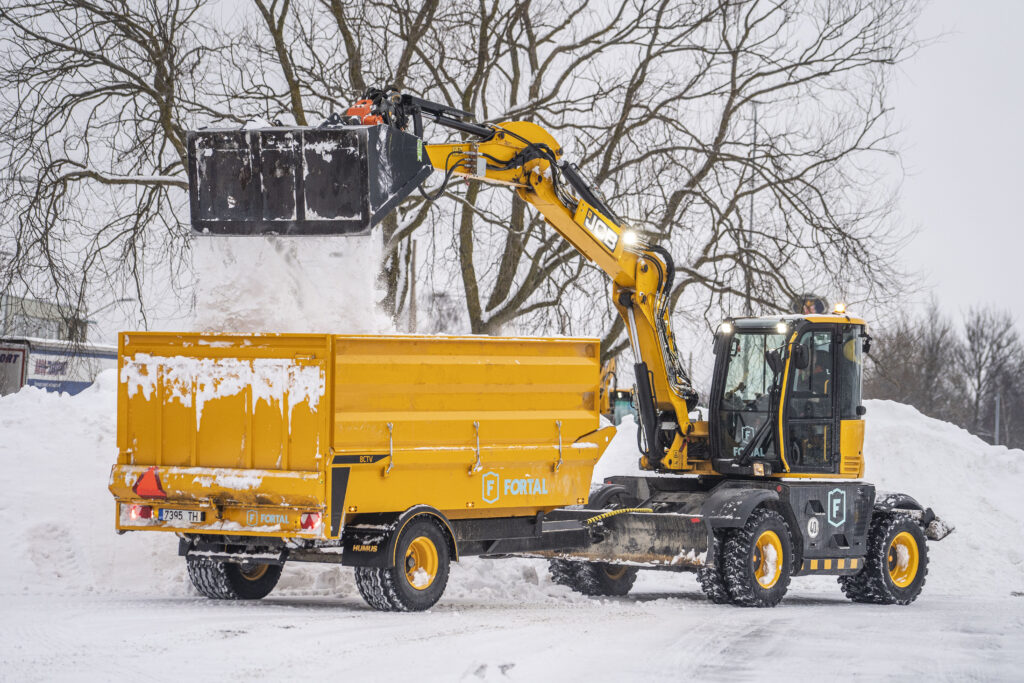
<point x="415" y="580"/>
<point x="593" y="578"/>
<point x="757" y="560"/>
<point x="232" y="581"/>
<point x="598" y="578"/>
<point x="711" y="579"/>
<point x="896" y="565"/>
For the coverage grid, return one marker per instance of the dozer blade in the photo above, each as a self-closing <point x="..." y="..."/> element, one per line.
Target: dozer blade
<point x="339" y="180"/>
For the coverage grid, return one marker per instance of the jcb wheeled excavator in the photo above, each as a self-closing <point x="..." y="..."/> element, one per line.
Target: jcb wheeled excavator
<point x="769" y="484"/>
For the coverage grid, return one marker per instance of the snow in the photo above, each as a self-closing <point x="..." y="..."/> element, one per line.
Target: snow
<point x="298" y="284"/>
<point x="771" y="558"/>
<point x="208" y="379"/>
<point x="112" y="604"/>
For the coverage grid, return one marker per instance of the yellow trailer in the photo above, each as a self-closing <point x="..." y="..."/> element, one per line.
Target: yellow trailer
<point x="257" y="449"/>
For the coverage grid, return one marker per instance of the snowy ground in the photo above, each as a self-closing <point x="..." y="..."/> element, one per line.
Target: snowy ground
<point x="78" y="602"/>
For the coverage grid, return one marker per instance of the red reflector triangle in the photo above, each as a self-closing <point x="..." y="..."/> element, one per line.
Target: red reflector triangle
<point x="148" y="485"/>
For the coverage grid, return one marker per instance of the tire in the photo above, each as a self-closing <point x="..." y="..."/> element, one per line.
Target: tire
<point x="417" y="577"/>
<point x="232" y="581"/>
<point x="593" y="578"/>
<point x="896" y="565"/>
<point x="598" y="578"/>
<point x="757" y="560"/>
<point x="711" y="579"/>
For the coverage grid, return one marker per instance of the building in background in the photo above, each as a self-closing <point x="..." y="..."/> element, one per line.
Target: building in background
<point x="42" y="347"/>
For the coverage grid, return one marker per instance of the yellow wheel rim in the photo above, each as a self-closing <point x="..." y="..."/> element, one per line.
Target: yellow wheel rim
<point x="615" y="573"/>
<point x="421" y="563"/>
<point x="903" y="559"/>
<point x="767" y="559"/>
<point x="254" y="573"/>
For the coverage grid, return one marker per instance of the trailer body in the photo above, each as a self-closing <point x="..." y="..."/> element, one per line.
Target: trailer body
<point x="291" y="436"/>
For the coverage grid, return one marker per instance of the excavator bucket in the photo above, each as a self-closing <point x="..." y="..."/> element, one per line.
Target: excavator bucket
<point x="337" y="180"/>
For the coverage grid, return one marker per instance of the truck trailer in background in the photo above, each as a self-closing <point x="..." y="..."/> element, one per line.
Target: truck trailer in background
<point x="51" y="364"/>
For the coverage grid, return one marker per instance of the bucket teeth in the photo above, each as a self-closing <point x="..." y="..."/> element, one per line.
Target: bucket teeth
<point x="339" y="180"/>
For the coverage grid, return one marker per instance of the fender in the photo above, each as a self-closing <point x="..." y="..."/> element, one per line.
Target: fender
<point x="934" y="528"/>
<point x="372" y="540"/>
<point x="894" y="501"/>
<point x="604" y="494"/>
<point x="730" y="506"/>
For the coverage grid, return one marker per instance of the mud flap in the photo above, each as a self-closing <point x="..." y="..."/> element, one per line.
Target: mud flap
<point x="338" y="180"/>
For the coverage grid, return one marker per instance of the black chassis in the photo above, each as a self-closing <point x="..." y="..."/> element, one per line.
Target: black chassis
<point x="828" y="520"/>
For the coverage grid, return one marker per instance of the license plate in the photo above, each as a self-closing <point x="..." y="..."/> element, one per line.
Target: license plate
<point x="190" y="516"/>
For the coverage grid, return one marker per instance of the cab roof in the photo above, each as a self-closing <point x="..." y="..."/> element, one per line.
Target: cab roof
<point x="847" y="318"/>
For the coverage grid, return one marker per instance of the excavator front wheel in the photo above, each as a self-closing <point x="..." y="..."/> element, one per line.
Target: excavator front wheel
<point x="896" y="565"/>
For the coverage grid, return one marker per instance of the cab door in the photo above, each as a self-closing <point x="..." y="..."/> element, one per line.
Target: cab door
<point x="811" y="426"/>
<point x="824" y="426"/>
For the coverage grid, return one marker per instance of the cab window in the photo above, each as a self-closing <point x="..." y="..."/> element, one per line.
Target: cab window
<point x="850" y="373"/>
<point x="813" y="385"/>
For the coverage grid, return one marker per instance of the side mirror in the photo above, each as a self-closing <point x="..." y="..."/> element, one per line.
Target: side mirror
<point x="774" y="360"/>
<point x="801" y="357"/>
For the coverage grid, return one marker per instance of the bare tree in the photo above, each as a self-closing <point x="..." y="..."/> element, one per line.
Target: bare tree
<point x="914" y="360"/>
<point x="95" y="96"/>
<point x="987" y="362"/>
<point x="959" y="376"/>
<point x="742" y="134"/>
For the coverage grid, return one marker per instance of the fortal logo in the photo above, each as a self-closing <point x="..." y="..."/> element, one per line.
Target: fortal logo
<point x="251" y="518"/>
<point x="836" y="507"/>
<point x="746" y="433"/>
<point x="490" y="484"/>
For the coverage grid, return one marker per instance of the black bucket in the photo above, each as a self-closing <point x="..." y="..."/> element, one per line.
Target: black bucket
<point x="340" y="180"/>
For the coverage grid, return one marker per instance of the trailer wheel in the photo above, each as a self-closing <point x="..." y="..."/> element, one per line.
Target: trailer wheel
<point x="232" y="581"/>
<point x="896" y="566"/>
<point x="593" y="578"/>
<point x="711" y="579"/>
<point x="416" y="578"/>
<point x="757" y="560"/>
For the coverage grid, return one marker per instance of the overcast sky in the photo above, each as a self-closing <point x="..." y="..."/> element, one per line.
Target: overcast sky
<point x="960" y="104"/>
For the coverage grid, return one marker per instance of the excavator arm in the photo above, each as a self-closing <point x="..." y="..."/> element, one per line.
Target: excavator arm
<point x="524" y="157"/>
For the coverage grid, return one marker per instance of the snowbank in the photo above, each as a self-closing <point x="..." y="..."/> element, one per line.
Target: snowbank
<point x="56" y="452"/>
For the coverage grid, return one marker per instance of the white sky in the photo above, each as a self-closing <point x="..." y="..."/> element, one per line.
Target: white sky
<point x="960" y="104"/>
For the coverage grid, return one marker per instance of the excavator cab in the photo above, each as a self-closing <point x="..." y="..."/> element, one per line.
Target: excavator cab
<point x="786" y="397"/>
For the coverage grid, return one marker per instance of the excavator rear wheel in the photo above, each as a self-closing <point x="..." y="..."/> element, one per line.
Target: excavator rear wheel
<point x="757" y="560"/>
<point x="711" y="579"/>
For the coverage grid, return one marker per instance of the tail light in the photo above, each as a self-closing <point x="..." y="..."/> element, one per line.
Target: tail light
<point x="310" y="520"/>
<point x="140" y="511"/>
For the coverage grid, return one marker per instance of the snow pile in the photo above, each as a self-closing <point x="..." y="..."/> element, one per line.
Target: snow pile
<point x="288" y="284"/>
<point x="968" y="483"/>
<point x="57" y="450"/>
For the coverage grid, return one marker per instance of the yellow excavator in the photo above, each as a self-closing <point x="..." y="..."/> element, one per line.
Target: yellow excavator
<point x="769" y="484"/>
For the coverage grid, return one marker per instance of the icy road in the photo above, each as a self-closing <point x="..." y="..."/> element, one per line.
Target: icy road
<point x="665" y="631"/>
<point x="78" y="602"/>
